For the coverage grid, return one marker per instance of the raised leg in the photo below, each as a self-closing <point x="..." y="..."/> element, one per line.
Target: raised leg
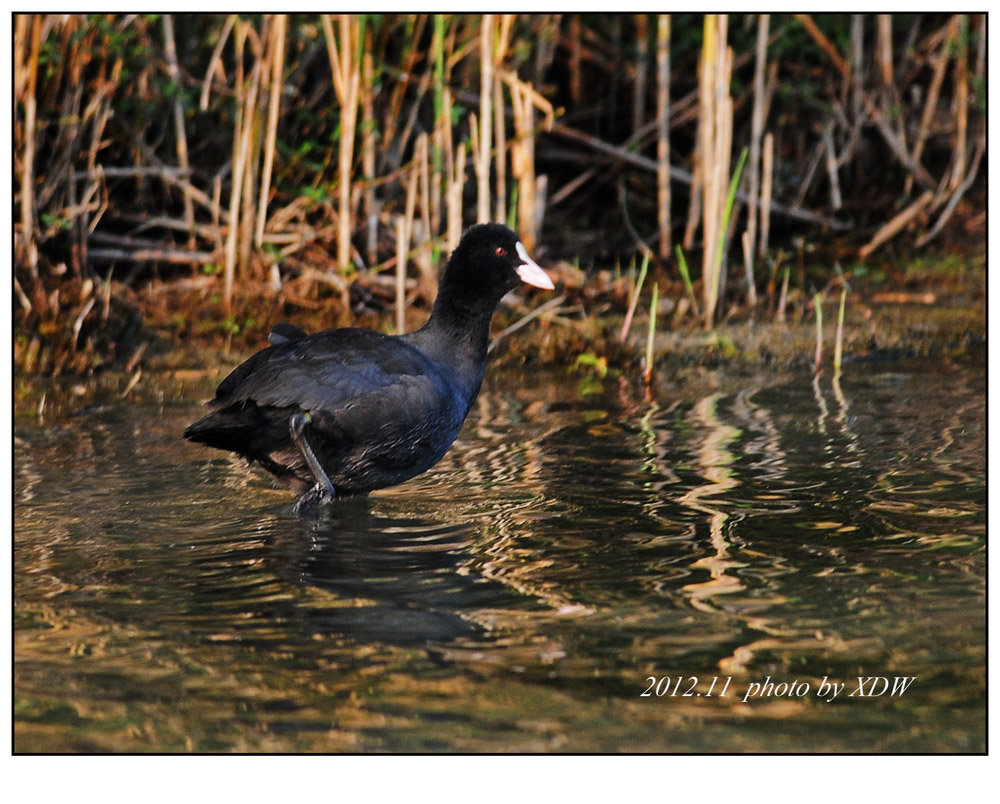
<point x="323" y="492"/>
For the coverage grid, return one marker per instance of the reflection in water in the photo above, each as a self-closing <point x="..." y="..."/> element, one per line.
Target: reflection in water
<point x="519" y="595"/>
<point x="714" y="460"/>
<point x="394" y="580"/>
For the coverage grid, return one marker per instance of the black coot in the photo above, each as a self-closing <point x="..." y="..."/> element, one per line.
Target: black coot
<point x="347" y="411"/>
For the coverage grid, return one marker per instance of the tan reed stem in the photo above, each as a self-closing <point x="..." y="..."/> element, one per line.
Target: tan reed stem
<point x="28" y="164"/>
<point x="277" y="56"/>
<point x="483" y="157"/>
<point x="767" y="183"/>
<point x="663" y="132"/>
<point x="174" y="72"/>
<point x="345" y="65"/>
<point x="401" y="248"/>
<point x="961" y="103"/>
<point x="756" y="134"/>
<point x="368" y="157"/>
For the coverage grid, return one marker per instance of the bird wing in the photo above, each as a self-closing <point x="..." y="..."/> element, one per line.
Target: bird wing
<point x="330" y="370"/>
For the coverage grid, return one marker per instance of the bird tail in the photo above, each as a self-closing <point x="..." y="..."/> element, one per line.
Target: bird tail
<point x="216" y="431"/>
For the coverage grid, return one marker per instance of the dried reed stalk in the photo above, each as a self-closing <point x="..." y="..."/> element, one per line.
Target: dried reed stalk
<point x="447" y="140"/>
<point x="831" y="164"/>
<point x="707" y="119"/>
<point x="523" y="160"/>
<point x="422" y="234"/>
<point x="857" y="65"/>
<point x="456" y="183"/>
<point x="404" y="237"/>
<point x="411" y="190"/>
<point x="961" y="102"/>
<point x="716" y="142"/>
<point x="28" y="241"/>
<point x="246" y="94"/>
<point x="891" y="107"/>
<point x="663" y="133"/>
<point x="413" y="31"/>
<point x="524" y="100"/>
<point x="483" y="155"/>
<point x="748" y="266"/>
<point x="402" y="246"/>
<point x="499" y="115"/>
<point x="215" y="208"/>
<point x="368" y="157"/>
<point x="174" y="72"/>
<point x="756" y="133"/>
<point x="345" y="62"/>
<point x="884" y="28"/>
<point x="215" y="62"/>
<point x="766" y="187"/>
<point x="422" y="156"/>
<point x="276" y="54"/>
<point x="500" y="134"/>
<point x="694" y="202"/>
<point x="254" y="144"/>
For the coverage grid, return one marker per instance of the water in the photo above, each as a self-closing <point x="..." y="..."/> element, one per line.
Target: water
<point x="744" y="544"/>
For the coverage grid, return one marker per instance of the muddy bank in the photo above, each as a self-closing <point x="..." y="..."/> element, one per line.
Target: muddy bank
<point x="939" y="317"/>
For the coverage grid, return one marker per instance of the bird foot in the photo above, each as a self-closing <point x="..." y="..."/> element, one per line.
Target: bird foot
<point x="322" y="493"/>
<point x="315" y="500"/>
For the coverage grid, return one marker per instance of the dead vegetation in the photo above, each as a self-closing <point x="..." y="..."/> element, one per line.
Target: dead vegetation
<point x="214" y="173"/>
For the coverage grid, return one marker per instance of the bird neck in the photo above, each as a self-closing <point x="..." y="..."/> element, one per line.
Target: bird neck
<point x="465" y="330"/>
<point x="456" y="334"/>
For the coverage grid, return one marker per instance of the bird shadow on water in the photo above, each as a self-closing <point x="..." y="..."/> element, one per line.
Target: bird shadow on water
<point x="369" y="575"/>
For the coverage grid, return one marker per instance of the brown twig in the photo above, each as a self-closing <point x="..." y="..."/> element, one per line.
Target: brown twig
<point x="896" y="225"/>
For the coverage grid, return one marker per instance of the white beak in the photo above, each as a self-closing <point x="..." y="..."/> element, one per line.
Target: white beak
<point x="530" y="271"/>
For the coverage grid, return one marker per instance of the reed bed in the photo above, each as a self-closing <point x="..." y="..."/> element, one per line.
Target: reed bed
<point x="332" y="160"/>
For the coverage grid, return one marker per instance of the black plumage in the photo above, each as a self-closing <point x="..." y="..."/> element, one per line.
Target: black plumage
<point x="347" y="411"/>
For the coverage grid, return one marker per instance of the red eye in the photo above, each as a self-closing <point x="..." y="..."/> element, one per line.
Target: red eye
<point x="500" y="251"/>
